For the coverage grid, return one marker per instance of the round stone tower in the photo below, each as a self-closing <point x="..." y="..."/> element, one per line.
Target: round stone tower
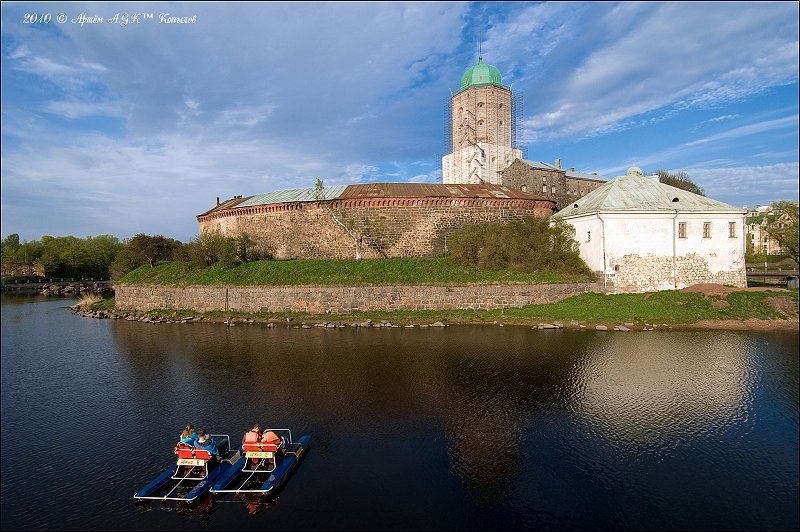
<point x="481" y="116"/>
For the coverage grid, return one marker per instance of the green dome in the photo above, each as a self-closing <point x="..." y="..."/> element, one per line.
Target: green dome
<point x="480" y="74"/>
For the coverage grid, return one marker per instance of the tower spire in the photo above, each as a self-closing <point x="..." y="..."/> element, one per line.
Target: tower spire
<point x="480" y="46"/>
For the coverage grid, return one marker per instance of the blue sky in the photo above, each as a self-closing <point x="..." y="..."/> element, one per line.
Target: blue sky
<point x="120" y="129"/>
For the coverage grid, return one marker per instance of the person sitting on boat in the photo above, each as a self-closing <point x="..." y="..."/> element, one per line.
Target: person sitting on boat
<point x="189" y="436"/>
<point x="253" y="435"/>
<point x="207" y="443"/>
<point x="274" y="439"/>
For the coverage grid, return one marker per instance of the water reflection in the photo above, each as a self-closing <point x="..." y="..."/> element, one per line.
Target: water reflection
<point x="646" y="389"/>
<point x="457" y="428"/>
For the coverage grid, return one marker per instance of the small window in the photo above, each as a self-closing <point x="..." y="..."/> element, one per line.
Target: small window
<point x="501" y="122"/>
<point x="524" y="188"/>
<point x="588" y="236"/>
<point x="480" y="104"/>
<point x="501" y="106"/>
<point x="544" y="189"/>
<point x="732" y="229"/>
<point x="681" y="229"/>
<point x="706" y="229"/>
<point x="553" y="189"/>
<point x="544" y="180"/>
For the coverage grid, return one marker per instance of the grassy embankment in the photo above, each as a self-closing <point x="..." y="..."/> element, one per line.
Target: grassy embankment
<point x="667" y="307"/>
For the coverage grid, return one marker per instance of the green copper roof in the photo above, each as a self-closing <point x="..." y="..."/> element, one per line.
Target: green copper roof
<point x="480" y="74"/>
<point x="636" y="192"/>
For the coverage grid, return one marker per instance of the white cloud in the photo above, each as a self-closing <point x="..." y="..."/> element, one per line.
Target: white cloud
<point x="669" y="59"/>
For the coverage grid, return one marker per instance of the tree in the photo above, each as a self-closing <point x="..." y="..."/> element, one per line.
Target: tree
<point x="680" y="180"/>
<point x="347" y="225"/>
<point x="143" y="249"/>
<point x="10" y="252"/>
<point x="782" y="225"/>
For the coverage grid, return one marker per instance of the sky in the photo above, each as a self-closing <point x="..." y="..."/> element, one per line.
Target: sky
<point x="137" y="123"/>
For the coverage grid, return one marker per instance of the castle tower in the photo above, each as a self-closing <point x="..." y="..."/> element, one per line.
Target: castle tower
<point x="481" y="128"/>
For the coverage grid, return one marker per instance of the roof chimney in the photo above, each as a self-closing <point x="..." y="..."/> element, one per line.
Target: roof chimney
<point x="217" y="200"/>
<point x="558" y="164"/>
<point x="572" y="169"/>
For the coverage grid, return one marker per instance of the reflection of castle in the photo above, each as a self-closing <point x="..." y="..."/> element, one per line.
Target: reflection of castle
<point x="482" y="139"/>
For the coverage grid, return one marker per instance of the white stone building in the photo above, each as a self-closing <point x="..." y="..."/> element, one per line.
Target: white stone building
<point x="640" y="235"/>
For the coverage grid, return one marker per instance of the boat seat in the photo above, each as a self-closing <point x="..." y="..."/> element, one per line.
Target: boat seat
<point x="194" y="460"/>
<point x="259" y="447"/>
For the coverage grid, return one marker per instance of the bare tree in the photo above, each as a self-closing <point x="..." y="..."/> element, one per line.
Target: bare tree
<point x="680" y="180"/>
<point x="347" y="225"/>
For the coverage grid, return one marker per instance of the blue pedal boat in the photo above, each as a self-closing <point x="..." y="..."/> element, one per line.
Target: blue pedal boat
<point x="193" y="475"/>
<point x="263" y="467"/>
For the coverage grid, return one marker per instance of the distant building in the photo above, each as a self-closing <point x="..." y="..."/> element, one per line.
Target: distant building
<point x="550" y="181"/>
<point x="640" y="235"/>
<point x="761" y="242"/>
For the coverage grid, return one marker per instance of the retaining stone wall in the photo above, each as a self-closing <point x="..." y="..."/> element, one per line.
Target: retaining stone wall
<point x="332" y="299"/>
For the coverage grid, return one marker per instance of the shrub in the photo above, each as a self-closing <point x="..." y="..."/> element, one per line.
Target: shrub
<point x="532" y="244"/>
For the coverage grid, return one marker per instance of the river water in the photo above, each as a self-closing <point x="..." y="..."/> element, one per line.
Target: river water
<point x="464" y="427"/>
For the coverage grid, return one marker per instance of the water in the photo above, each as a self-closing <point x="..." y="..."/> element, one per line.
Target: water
<point x="457" y="428"/>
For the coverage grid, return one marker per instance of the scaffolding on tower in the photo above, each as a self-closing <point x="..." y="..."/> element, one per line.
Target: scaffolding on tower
<point x="516" y="115"/>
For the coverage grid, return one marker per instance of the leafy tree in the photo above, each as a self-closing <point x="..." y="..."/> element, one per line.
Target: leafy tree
<point x="680" y="180"/>
<point x="140" y="250"/>
<point x="782" y="225"/>
<point x="101" y="251"/>
<point x="10" y="252"/>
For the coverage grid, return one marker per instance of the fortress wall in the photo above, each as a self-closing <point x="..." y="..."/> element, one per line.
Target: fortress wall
<point x="386" y="228"/>
<point x="324" y="299"/>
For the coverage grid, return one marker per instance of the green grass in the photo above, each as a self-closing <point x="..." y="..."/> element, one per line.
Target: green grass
<point x="666" y="307"/>
<point x="365" y="272"/>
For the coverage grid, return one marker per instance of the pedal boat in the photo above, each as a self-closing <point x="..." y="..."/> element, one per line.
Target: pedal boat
<point x="192" y="476"/>
<point x="263" y="466"/>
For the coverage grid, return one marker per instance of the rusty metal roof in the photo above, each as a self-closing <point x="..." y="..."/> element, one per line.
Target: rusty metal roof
<point x="377" y="190"/>
<point x="424" y="190"/>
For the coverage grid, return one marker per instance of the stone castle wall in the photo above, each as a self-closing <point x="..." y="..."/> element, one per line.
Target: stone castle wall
<point x="382" y="228"/>
<point x="325" y="299"/>
<point x="652" y="273"/>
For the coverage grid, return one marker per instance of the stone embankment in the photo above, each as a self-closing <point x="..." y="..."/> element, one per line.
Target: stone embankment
<point x="232" y="322"/>
<point x="311" y="324"/>
<point x="60" y="288"/>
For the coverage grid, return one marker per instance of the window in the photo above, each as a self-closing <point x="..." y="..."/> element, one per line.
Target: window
<point x="553" y="189"/>
<point x="524" y="188"/>
<point x="681" y="229"/>
<point x="544" y="189"/>
<point x="706" y="229"/>
<point x="544" y="180"/>
<point x="588" y="236"/>
<point x="732" y="229"/>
